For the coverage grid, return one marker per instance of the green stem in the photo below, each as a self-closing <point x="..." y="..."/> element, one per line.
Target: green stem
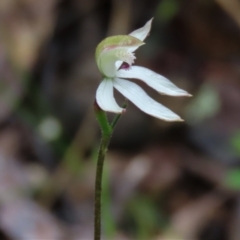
<point x="116" y="118"/>
<point x="107" y="131"/>
<point x="98" y="187"/>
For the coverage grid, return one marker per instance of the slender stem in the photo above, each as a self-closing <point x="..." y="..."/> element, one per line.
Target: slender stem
<point x="107" y="131"/>
<point x="98" y="186"/>
<point x="116" y="118"/>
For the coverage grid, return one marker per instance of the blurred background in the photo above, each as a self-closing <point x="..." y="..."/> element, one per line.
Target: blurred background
<point x="162" y="181"/>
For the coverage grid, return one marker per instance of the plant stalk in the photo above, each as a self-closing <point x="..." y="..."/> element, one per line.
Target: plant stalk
<point x="107" y="130"/>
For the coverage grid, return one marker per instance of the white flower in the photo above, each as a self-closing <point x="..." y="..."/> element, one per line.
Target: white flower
<point x="114" y="52"/>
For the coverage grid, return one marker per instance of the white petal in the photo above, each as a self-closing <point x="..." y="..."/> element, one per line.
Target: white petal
<point x="142" y="32"/>
<point x="105" y="98"/>
<point x="153" y="80"/>
<point x="136" y="95"/>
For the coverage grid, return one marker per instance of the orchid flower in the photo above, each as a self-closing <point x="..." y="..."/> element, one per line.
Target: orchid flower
<point x="114" y="57"/>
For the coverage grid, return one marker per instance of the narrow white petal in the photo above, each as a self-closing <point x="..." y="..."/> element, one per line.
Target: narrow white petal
<point x="136" y="95"/>
<point x="105" y="98"/>
<point x="153" y="80"/>
<point x="142" y="32"/>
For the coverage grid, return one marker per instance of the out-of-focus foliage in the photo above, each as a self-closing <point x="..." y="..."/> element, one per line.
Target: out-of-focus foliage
<point x="145" y="217"/>
<point x="232" y="179"/>
<point x="167" y="9"/>
<point x="235" y="141"/>
<point x="205" y="105"/>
